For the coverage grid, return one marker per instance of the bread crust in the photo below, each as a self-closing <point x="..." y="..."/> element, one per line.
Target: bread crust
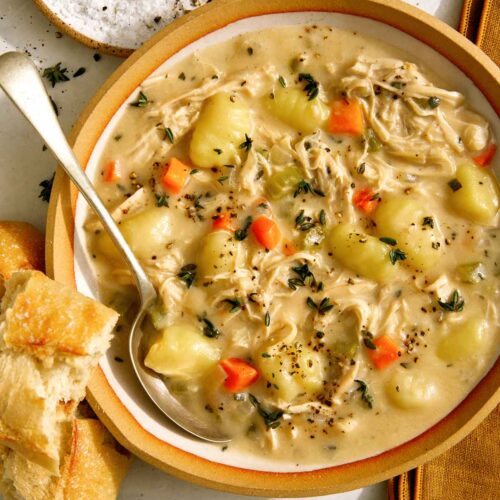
<point x="21" y="247"/>
<point x="45" y="318"/>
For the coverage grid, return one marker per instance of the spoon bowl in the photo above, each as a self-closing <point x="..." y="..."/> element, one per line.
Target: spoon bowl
<point x="20" y="80"/>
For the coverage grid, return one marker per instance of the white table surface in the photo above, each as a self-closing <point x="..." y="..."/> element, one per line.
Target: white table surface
<point x="23" y="165"/>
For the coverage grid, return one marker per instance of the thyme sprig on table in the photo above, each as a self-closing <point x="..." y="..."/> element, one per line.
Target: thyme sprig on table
<point x="46" y="190"/>
<point x="56" y="74"/>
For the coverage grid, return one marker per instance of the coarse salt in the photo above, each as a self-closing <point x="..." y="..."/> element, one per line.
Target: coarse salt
<point x="122" y="23"/>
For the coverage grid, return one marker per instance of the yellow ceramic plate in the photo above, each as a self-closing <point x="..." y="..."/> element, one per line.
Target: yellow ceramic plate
<point x="113" y="391"/>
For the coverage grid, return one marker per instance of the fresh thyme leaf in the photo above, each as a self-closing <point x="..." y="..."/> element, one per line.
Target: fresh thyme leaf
<point x="311" y="304"/>
<point x="282" y="81"/>
<point x="169" y="135"/>
<point x="433" y="102"/>
<point x="54" y="106"/>
<point x="267" y="319"/>
<point x="56" y="74"/>
<point x="235" y="304"/>
<point x="305" y="187"/>
<point x="306" y="226"/>
<point x="300" y="218"/>
<point x="389" y="241"/>
<point x="247" y="145"/>
<point x="361" y="169"/>
<point x="265" y="355"/>
<point x="294" y="283"/>
<point x="46" y="190"/>
<point x="325" y="306"/>
<point x="218" y="151"/>
<point x="455" y="184"/>
<point x="376" y="196"/>
<point x="242" y="233"/>
<point x="187" y="274"/>
<point x="395" y="255"/>
<point x="79" y="72"/>
<point x="368" y="343"/>
<point x="161" y="200"/>
<point x="428" y="221"/>
<point x="194" y="171"/>
<point x="322" y="217"/>
<point x="272" y="418"/>
<point x="223" y="178"/>
<point x="312" y="87"/>
<point x="455" y="303"/>
<point x="365" y="395"/>
<point x="209" y="330"/>
<point x="142" y="100"/>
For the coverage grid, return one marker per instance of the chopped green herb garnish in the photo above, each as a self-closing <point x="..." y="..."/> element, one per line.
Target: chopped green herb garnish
<point x="56" y="74"/>
<point x="194" y="171"/>
<point x="312" y="87"/>
<point x="369" y="343"/>
<point x="372" y="141"/>
<point x="455" y="303"/>
<point x="247" y="145"/>
<point x="455" y="184"/>
<point x="305" y="187"/>
<point x="272" y="418"/>
<point x="322" y="217"/>
<point x="361" y="169"/>
<point x="142" y="100"/>
<point x="187" y="274"/>
<point x="169" y="135"/>
<point x="235" y="304"/>
<point x="323" y="307"/>
<point x="223" y="178"/>
<point x="282" y="81"/>
<point x="433" y="102"/>
<point x="395" y="255"/>
<point x="267" y="319"/>
<point x="428" y="221"/>
<point x="365" y="395"/>
<point x="209" y="330"/>
<point x="46" y="190"/>
<point x="305" y="278"/>
<point x="79" y="72"/>
<point x="161" y="200"/>
<point x="389" y="241"/>
<point x="265" y="355"/>
<point x="242" y="233"/>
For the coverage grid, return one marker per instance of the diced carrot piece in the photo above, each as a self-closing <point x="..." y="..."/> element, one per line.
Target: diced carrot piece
<point x="240" y="374"/>
<point x="174" y="175"/>
<point x="112" y="171"/>
<point x="484" y="159"/>
<point x="366" y="200"/>
<point x="289" y="248"/>
<point x="346" y="117"/>
<point x="266" y="232"/>
<point x="385" y="354"/>
<point x="223" y="221"/>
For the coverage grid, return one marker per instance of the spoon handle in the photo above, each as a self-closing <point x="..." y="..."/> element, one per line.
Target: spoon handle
<point x="20" y="80"/>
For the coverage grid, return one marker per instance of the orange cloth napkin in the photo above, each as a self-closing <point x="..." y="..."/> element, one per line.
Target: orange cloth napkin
<point x="469" y="471"/>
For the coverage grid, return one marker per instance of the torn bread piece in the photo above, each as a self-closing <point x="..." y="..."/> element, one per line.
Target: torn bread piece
<point x="50" y="339"/>
<point x="21" y="247"/>
<point x="93" y="466"/>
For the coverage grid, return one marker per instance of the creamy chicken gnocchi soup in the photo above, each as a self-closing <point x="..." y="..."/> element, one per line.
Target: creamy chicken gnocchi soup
<point x="319" y="214"/>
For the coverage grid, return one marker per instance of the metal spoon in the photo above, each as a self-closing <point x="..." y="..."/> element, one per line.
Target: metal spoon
<point x="20" y="80"/>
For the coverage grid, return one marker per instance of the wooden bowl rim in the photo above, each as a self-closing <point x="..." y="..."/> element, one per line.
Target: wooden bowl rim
<point x="59" y="250"/>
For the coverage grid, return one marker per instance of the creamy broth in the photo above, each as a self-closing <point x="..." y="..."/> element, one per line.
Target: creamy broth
<point x="373" y="310"/>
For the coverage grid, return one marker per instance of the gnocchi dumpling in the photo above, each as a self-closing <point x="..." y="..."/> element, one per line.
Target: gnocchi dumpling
<point x="292" y="106"/>
<point x="476" y="194"/>
<point x="220" y="131"/>
<point x="410" y="390"/>
<point x="361" y="253"/>
<point x="292" y="370"/>
<point x="404" y="220"/>
<point x="147" y="233"/>
<point x="182" y="351"/>
<point x="463" y="340"/>
<point x="217" y="253"/>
